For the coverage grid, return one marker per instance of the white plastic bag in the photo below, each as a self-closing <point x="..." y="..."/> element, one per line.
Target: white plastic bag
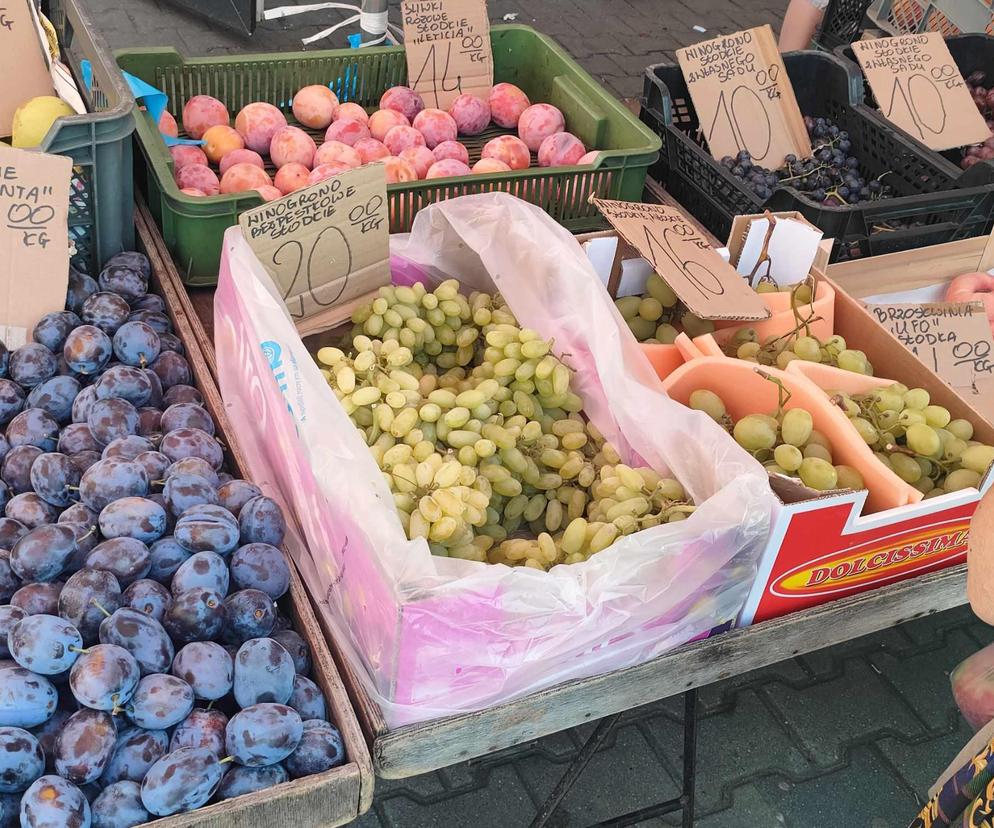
<point x="437" y="636"/>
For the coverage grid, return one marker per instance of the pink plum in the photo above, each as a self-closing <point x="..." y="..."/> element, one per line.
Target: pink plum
<point x="202" y="112"/>
<point x="315" y="106"/>
<point x="403" y="99"/>
<point x="538" y="122"/>
<point x="258" y="123"/>
<point x="370" y="150"/>
<point x="347" y="130"/>
<point x="436" y="126"/>
<point x="323" y="172"/>
<point x="446" y="168"/>
<point x="451" y="149"/>
<point x="193" y="191"/>
<point x="242" y="177"/>
<point x="199" y="178"/>
<point x="383" y="120"/>
<point x="561" y="149"/>
<point x="401" y="138"/>
<point x="167" y="124"/>
<point x="471" y="114"/>
<point x="241" y="156"/>
<point x="589" y="158"/>
<point x="512" y="151"/>
<point x="269" y="193"/>
<point x="353" y="111"/>
<point x="335" y="151"/>
<point x="291" y="177"/>
<point x="421" y="158"/>
<point x="490" y="165"/>
<point x="291" y="144"/>
<point x="507" y="102"/>
<point x="398" y="170"/>
<point x="186" y="155"/>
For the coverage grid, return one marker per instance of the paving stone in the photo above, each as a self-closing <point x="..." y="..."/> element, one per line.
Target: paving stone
<point x="920" y="764"/>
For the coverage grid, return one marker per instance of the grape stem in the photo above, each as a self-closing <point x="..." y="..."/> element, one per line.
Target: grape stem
<point x="783" y="394"/>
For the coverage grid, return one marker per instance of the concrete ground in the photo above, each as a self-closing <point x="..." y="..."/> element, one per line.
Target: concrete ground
<point x="852" y="735"/>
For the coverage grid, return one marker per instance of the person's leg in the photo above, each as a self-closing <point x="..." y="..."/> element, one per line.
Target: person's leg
<point x="800" y="24"/>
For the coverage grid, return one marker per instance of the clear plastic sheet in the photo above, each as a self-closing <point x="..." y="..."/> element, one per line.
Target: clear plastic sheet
<point x="432" y="636"/>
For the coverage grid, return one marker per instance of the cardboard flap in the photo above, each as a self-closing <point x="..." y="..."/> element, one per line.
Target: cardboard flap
<point x="24" y="63"/>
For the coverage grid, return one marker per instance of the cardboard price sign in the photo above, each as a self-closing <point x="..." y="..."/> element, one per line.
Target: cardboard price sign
<point x="34" y="239"/>
<point x="743" y="97"/>
<point x="327" y="244"/>
<point x="448" y="49"/>
<point x="919" y="88"/>
<point x="24" y="72"/>
<point x="705" y="282"/>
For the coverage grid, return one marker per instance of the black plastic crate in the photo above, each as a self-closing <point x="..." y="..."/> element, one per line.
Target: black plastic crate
<point x="971" y="52"/>
<point x="926" y="206"/>
<point x="843" y="23"/>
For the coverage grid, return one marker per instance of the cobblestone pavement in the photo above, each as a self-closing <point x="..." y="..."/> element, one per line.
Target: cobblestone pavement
<point x="853" y="734"/>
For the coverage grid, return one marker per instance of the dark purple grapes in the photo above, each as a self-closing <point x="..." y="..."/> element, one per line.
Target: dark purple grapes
<point x="11" y="400"/>
<point x="55" y="478"/>
<point x="135" y="343"/>
<point x="320" y="749"/>
<point x="43" y="552"/>
<point x="241" y="780"/>
<point x="119" y="806"/>
<point x="192" y="442"/>
<point x="31" y="510"/>
<point x="112" y="418"/>
<point x="207" y="668"/>
<point x="110" y="480"/>
<point x="31" y="365"/>
<point x="127" y="559"/>
<point x="182" y="393"/>
<point x="22" y="760"/>
<point x="81" y="288"/>
<point x="307" y="699"/>
<point x="187" y="415"/>
<point x="104" y="677"/>
<point x="45" y="644"/>
<point x="81" y="406"/>
<point x="236" y="493"/>
<point x="148" y="597"/>
<point x="202" y="570"/>
<point x="165" y="556"/>
<point x="135" y="751"/>
<point x="54" y="802"/>
<point x="261" y="521"/>
<point x="38" y="599"/>
<point x="155" y="464"/>
<point x="207" y="528"/>
<point x="133" y="517"/>
<point x="142" y="636"/>
<point x="262" y="567"/>
<point x="26" y="699"/>
<point x="181" y="781"/>
<point x="195" y="615"/>
<point x="84" y="746"/>
<point x="106" y="311"/>
<point x="263" y="734"/>
<point x="124" y="382"/>
<point x="33" y="427"/>
<point x="125" y="281"/>
<point x="10" y="615"/>
<point x="53" y="328"/>
<point x="86" y="599"/>
<point x="55" y="397"/>
<point x="128" y="448"/>
<point x="183" y="491"/>
<point x="87" y="350"/>
<point x="160" y="702"/>
<point x="135" y="261"/>
<point x="263" y="673"/>
<point x="201" y="729"/>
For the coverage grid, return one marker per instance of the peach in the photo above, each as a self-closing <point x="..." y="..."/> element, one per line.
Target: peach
<point x="446" y="168"/>
<point x="291" y="144"/>
<point x="589" y="158"/>
<point x="436" y="126"/>
<point x="353" y="111"/>
<point x="383" y="120"/>
<point x="471" y="114"/>
<point x="269" y="193"/>
<point x="538" y="122"/>
<point x="421" y="158"/>
<point x="186" y="155"/>
<point x="370" y="150"/>
<point x="193" y="191"/>
<point x="291" y="177"/>
<point x="219" y="141"/>
<point x="198" y="177"/>
<point x="347" y="130"/>
<point x="167" y="124"/>
<point x="403" y="99"/>
<point x="242" y="177"/>
<point x="507" y="102"/>
<point x="325" y="171"/>
<point x="331" y="151"/>
<point x="398" y="170"/>
<point x="241" y="156"/>
<point x="512" y="151"/>
<point x="401" y="138"/>
<point x="315" y="106"/>
<point x="451" y="149"/>
<point x="561" y="149"/>
<point x="490" y="165"/>
<point x="258" y="123"/>
<point x="202" y="112"/>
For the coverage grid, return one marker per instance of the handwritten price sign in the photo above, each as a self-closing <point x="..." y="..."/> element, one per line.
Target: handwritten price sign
<point x="919" y="88"/>
<point x="327" y="244"/>
<point x="448" y="49"/>
<point x="743" y="97"/>
<point x="677" y="251"/>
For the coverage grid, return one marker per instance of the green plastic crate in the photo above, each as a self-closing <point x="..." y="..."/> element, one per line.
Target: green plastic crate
<point x="193" y="227"/>
<point x="101" y="201"/>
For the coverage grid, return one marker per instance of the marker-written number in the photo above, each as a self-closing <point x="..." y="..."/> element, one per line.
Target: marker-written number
<point x="698" y="275"/>
<point x="429" y="73"/>
<point x="330" y="251"/>
<point x="920" y="99"/>
<point x="743" y="106"/>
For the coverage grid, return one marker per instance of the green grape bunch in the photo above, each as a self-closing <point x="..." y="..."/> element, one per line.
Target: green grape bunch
<point x="657" y="317"/>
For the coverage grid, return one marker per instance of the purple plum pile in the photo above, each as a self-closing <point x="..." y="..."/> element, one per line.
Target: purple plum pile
<point x="145" y="667"/>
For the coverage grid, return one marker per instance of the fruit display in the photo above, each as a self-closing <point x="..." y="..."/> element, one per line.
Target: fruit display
<point x="263" y="151"/>
<point x="974" y="287"/>
<point x="983" y="97"/>
<point x="147" y="667"/>
<point x="657" y="316"/>
<point x="475" y="425"/>
<point x="918" y="441"/>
